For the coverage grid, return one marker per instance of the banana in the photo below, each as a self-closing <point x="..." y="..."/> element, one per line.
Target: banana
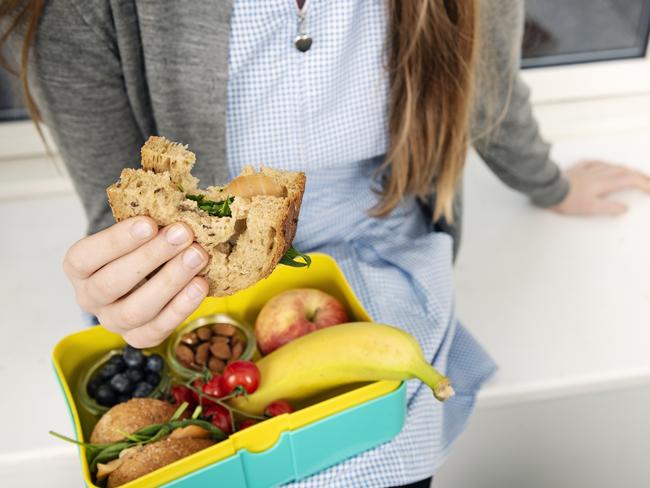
<point x="341" y="355"/>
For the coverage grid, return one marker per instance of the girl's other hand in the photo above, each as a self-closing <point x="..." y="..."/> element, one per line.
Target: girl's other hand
<point x="592" y="182"/>
<point x="109" y="271"/>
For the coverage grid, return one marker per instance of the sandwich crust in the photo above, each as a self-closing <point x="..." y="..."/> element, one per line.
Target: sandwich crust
<point x="243" y="248"/>
<point x="155" y="456"/>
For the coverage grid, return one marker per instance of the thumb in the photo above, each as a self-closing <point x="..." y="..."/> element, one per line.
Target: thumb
<point x="603" y="206"/>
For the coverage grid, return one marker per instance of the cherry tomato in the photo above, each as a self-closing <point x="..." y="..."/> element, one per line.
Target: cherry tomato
<point x="245" y="424"/>
<point x="213" y="387"/>
<point x="240" y="373"/>
<point x="277" y="407"/>
<point x="182" y="394"/>
<point x="219" y="417"/>
<point x="200" y="385"/>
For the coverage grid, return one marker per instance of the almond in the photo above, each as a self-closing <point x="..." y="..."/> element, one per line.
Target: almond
<point x="220" y="350"/>
<point x="185" y="355"/>
<point x="224" y="329"/>
<point x="216" y="365"/>
<point x="202" y="354"/>
<point x="204" y="333"/>
<point x="237" y="349"/>
<point x="218" y="338"/>
<point x="190" y="339"/>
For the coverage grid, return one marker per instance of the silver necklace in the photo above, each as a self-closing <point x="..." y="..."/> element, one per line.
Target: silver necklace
<point x="302" y="41"/>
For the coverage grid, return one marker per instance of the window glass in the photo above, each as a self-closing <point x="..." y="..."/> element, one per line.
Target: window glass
<point x="578" y="31"/>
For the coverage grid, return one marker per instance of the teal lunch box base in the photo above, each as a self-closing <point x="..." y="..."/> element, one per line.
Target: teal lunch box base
<point x="308" y="450"/>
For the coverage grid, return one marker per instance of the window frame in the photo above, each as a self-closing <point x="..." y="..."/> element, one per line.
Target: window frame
<point x="598" y="79"/>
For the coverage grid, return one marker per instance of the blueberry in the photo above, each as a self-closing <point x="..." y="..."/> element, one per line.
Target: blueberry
<point x="108" y="371"/>
<point x="155" y="363"/>
<point x="153" y="379"/>
<point x="134" y="375"/>
<point x="93" y="385"/>
<point x="123" y="398"/>
<point x="121" y="384"/>
<point x="106" y="396"/>
<point x="142" y="390"/>
<point x="118" y="361"/>
<point x="133" y="357"/>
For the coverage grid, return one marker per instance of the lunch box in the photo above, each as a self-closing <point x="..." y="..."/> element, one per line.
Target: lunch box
<point x="282" y="449"/>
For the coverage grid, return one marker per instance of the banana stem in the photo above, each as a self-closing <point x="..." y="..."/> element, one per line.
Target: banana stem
<point x="444" y="391"/>
<point x="439" y="384"/>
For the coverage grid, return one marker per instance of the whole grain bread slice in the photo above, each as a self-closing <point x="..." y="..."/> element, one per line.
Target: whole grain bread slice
<point x="244" y="247"/>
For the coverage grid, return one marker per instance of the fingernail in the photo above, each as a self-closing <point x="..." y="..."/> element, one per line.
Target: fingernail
<point x="141" y="229"/>
<point x="194" y="291"/>
<point x="192" y="258"/>
<point x="177" y="234"/>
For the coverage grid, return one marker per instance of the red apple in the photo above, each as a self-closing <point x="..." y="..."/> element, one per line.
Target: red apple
<point x="295" y="313"/>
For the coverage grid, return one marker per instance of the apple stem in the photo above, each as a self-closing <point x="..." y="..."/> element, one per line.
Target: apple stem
<point x="312" y="315"/>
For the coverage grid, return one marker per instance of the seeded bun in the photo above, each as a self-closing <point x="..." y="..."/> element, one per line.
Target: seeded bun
<point x="244" y="247"/>
<point x="129" y="417"/>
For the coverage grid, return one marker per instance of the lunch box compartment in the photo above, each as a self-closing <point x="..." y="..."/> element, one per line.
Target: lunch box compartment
<point x="279" y="450"/>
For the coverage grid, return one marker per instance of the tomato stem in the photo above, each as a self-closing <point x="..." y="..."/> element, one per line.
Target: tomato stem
<point x="220" y="401"/>
<point x="232" y="421"/>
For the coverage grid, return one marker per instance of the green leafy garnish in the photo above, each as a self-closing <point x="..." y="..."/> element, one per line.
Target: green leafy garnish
<point x="179" y="411"/>
<point x="197" y="412"/>
<point x="289" y="258"/>
<point x="222" y="209"/>
<point x="218" y="209"/>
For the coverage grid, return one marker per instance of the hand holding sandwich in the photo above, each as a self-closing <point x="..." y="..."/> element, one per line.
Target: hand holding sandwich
<point x="107" y="271"/>
<point x="139" y="276"/>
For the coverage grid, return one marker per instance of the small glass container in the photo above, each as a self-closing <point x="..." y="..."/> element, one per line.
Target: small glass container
<point x="89" y="403"/>
<point x="245" y="333"/>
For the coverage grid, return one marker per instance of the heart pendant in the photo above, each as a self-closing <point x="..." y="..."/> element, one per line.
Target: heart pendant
<point x="302" y="42"/>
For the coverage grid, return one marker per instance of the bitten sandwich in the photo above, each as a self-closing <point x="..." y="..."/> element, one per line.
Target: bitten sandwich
<point x="246" y="226"/>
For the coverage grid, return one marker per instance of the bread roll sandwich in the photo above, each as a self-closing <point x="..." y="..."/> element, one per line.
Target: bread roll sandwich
<point x="246" y="226"/>
<point x="131" y="461"/>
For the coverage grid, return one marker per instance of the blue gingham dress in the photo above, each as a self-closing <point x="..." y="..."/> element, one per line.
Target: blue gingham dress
<point x="324" y="112"/>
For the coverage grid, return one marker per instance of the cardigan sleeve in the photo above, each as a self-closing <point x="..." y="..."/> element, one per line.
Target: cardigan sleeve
<point x="76" y="78"/>
<point x="505" y="132"/>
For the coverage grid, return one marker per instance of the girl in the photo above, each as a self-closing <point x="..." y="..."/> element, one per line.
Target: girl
<point x="376" y="100"/>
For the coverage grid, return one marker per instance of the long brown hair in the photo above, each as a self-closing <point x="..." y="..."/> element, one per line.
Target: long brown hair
<point x="22" y="14"/>
<point x="431" y="56"/>
<point x="431" y="51"/>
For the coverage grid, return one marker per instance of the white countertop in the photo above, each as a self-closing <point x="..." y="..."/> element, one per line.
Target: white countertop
<point x="38" y="310"/>
<point x="561" y="303"/>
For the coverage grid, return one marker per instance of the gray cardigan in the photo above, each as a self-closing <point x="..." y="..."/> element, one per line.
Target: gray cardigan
<point x="108" y="73"/>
